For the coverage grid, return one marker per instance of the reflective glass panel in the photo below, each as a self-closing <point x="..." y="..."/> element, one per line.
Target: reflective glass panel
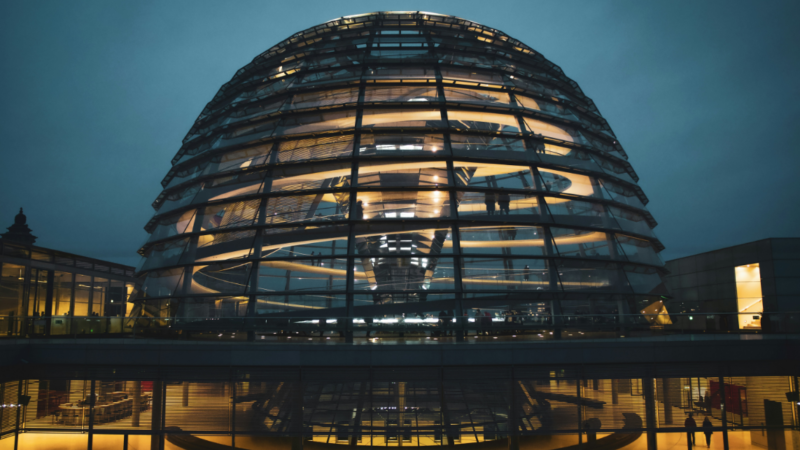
<point x="639" y="250"/>
<point x="486" y="204"/>
<point x="505" y="274"/>
<point x="403" y="274"/>
<point x="315" y="148"/>
<point x="324" y="98"/>
<point x="586" y="244"/>
<point x="320" y="121"/>
<point x="550" y="130"/>
<point x="415" y="118"/>
<point x="505" y="240"/>
<point x="229" y="215"/>
<point x="494" y="176"/>
<point x="230" y="278"/>
<point x="402" y="205"/>
<point x="302" y="275"/>
<point x="307" y="208"/>
<point x="331" y="175"/>
<point x="474" y="120"/>
<point x="400" y="94"/>
<point x="577" y="212"/>
<point x="590" y="276"/>
<point x="571" y="183"/>
<point x="464" y="95"/>
<point x="304" y="242"/>
<point x="402" y="240"/>
<point x="401" y="144"/>
<point x="221" y="246"/>
<point x="402" y="174"/>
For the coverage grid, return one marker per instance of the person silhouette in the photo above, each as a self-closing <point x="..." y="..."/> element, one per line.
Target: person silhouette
<point x="488" y="199"/>
<point x="691" y="427"/>
<point x="707" y="431"/>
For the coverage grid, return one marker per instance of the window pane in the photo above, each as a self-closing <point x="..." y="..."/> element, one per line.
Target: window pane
<point x="83" y="290"/>
<point x="586" y="244"/>
<point x="591" y="276"/>
<point x="490" y="147"/>
<point x="554" y="131"/>
<point x="421" y="74"/>
<point x="493" y="176"/>
<point x="571" y="183"/>
<point x="631" y="221"/>
<point x="404" y="274"/>
<point x="405" y="174"/>
<point x="403" y="205"/>
<point x="229" y="215"/>
<point x="163" y="254"/>
<point x="305" y="242"/>
<point x="464" y="95"/>
<point x="505" y="240"/>
<point x="221" y="246"/>
<point x="297" y="306"/>
<point x="218" y="278"/>
<point x="321" y="121"/>
<point x="505" y="274"/>
<point x="315" y="148"/>
<point x="324" y="98"/>
<point x="334" y="75"/>
<point x="576" y="212"/>
<point x="305" y="177"/>
<point x="307" y="208"/>
<point x="473" y="120"/>
<point x="485" y="204"/>
<point x="400" y="94"/>
<point x="99" y="295"/>
<point x="62" y="294"/>
<point x="302" y="275"/>
<point x="639" y="250"/>
<point x="401" y="144"/>
<point x="416" y="118"/>
<point x="471" y="76"/>
<point x="402" y="240"/>
<point x="569" y="157"/>
<point x="622" y="194"/>
<point x="11" y="286"/>
<point x="159" y="283"/>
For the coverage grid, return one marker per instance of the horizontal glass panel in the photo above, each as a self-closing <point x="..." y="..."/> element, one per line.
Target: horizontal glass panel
<point x="404" y="274"/>
<point x="331" y="175"/>
<point x="229" y="187"/>
<point x="402" y="240"/>
<point x="401" y="144"/>
<point x="332" y="76"/>
<point x="631" y="221"/>
<point x="622" y="194"/>
<point x="571" y="183"/>
<point x="300" y="305"/>
<point x="400" y="94"/>
<point x="161" y="283"/>
<point x="590" y="276"/>
<point x="229" y="215"/>
<point x="473" y="120"/>
<point x="400" y="73"/>
<point x="177" y="199"/>
<point x="405" y="174"/>
<point x="302" y="275"/>
<point x="324" y="98"/>
<point x="505" y="240"/>
<point x="173" y="225"/>
<point x="494" y="176"/>
<point x="465" y="95"/>
<point x="548" y="107"/>
<point x="210" y="308"/>
<point x="472" y="75"/>
<point x="647" y="281"/>
<point x="568" y="157"/>
<point x="321" y="121"/>
<point x="550" y="130"/>
<point x="305" y="242"/>
<point x="490" y="147"/>
<point x="586" y="244"/>
<point x="484" y="204"/>
<point x="505" y="274"/>
<point x="219" y="278"/>
<point x="307" y="208"/>
<point x="417" y="118"/>
<point x="639" y="250"/>
<point x="567" y="211"/>
<point x="402" y="205"/>
<point x="247" y="133"/>
<point x="221" y="246"/>
<point x="163" y="254"/>
<point x="315" y="148"/>
<point x="235" y="160"/>
<point x="262" y="108"/>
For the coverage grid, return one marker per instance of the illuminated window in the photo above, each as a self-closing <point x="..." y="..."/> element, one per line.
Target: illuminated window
<point x="748" y="296"/>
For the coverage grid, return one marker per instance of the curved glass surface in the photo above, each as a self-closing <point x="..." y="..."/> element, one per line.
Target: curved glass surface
<point x="378" y="161"/>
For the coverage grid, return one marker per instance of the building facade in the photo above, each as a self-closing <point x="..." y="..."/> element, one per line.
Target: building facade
<point x="402" y="229"/>
<point x="757" y="283"/>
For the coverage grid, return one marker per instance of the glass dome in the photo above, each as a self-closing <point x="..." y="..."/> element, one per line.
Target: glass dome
<point x="385" y="168"/>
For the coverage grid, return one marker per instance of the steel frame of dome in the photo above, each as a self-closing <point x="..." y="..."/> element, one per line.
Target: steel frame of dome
<point x="399" y="164"/>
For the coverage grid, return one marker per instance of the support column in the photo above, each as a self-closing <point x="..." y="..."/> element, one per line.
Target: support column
<point x="650" y="412"/>
<point x="92" y="401"/>
<point x="296" y="424"/>
<point x="155" y="420"/>
<point x="136" y="410"/>
<point x="615" y="392"/>
<point x="724" y="413"/>
<point x="667" y="401"/>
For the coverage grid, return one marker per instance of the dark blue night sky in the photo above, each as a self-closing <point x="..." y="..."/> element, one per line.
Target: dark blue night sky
<point x="97" y="97"/>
